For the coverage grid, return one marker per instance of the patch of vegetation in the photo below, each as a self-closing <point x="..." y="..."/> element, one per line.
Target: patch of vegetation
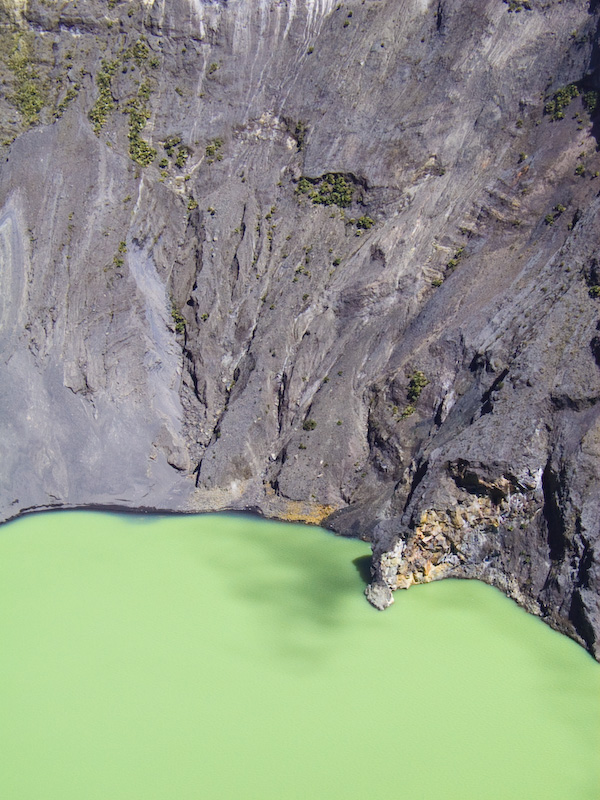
<point x="416" y="384"/>
<point x="300" y="132"/>
<point x="365" y="222"/>
<point x="139" y="51"/>
<point x="213" y="150"/>
<point x="212" y="68"/>
<point x="171" y="143"/>
<point x="192" y="204"/>
<point x="551" y="218"/>
<point x="454" y="261"/>
<point x="590" y="101"/>
<point x="594" y="291"/>
<point x="105" y="102"/>
<point x="182" y="156"/>
<point x="518" y="5"/>
<point x="328" y="190"/>
<point x="64" y="103"/>
<point x="309" y="425"/>
<point x="139" y="150"/>
<point x="28" y="96"/>
<point x="555" y="108"/>
<point x="177" y="317"/>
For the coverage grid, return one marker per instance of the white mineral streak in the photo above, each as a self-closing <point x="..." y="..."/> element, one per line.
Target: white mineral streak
<point x="162" y="351"/>
<point x="258" y="22"/>
<point x="11" y="271"/>
<point x="316" y="10"/>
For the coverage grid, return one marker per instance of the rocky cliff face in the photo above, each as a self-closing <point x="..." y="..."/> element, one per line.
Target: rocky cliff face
<point x="334" y="262"/>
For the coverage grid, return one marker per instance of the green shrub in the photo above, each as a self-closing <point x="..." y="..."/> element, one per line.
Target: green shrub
<point x="213" y="148"/>
<point x="555" y="107"/>
<point x="182" y="157"/>
<point x="590" y="101"/>
<point x="518" y="5"/>
<point x="171" y="143"/>
<point x="417" y="383"/>
<point x="105" y="102"/>
<point x="139" y="51"/>
<point x="328" y="190"/>
<point x="140" y="150"/>
<point x="177" y="317"/>
<point x="300" y="134"/>
<point x="309" y="424"/>
<point x="28" y="96"/>
<point x="64" y="103"/>
<point x="365" y="222"/>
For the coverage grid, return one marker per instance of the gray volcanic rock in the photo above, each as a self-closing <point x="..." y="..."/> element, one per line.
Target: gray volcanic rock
<point x="334" y="262"/>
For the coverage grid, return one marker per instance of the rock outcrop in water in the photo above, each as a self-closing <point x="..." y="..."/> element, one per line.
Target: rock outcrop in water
<point x="333" y="262"/>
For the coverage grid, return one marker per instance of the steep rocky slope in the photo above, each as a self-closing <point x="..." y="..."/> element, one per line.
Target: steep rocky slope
<point x="335" y="262"/>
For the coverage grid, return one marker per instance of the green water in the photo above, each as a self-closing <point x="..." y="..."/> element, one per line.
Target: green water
<point x="217" y="657"/>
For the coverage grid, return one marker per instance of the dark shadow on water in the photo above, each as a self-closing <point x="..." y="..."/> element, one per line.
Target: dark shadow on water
<point x="284" y="571"/>
<point x="363" y="567"/>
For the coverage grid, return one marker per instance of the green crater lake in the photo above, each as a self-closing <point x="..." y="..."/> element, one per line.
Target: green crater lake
<point x="215" y="657"/>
